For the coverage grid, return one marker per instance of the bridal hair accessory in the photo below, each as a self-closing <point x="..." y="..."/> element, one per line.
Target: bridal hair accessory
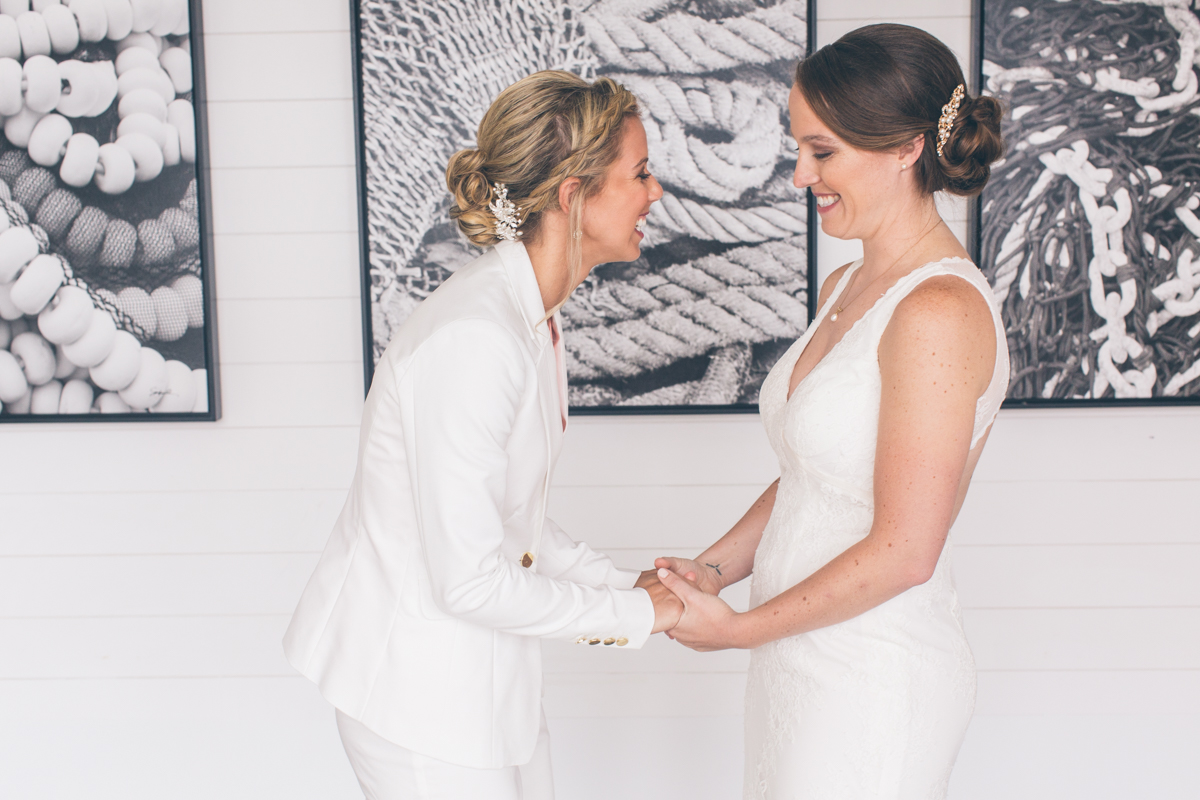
<point x="949" y="114"/>
<point x="508" y="219"/>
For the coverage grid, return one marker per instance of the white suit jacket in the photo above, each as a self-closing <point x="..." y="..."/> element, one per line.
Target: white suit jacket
<point x="420" y="620"/>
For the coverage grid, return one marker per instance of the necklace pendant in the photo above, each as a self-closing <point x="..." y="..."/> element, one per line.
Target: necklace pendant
<point x="833" y="317"/>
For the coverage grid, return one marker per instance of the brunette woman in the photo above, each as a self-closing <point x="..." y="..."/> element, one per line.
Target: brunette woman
<point x="861" y="682"/>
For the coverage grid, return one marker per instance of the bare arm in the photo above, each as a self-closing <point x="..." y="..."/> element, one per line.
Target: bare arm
<point x="935" y="358"/>
<point x="730" y="558"/>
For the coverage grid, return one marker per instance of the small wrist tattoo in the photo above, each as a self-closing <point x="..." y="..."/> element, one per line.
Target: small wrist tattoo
<point x="716" y="567"/>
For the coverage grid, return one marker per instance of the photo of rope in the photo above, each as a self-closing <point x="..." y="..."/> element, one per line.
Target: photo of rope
<point x="105" y="297"/>
<point x="1088" y="229"/>
<point x="721" y="288"/>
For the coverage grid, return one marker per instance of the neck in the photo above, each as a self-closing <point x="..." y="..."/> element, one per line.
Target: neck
<point x="548" y="252"/>
<point x="899" y="237"/>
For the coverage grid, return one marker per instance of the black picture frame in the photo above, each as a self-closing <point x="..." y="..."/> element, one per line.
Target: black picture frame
<point x="181" y="185"/>
<point x="371" y="313"/>
<point x="1066" y="96"/>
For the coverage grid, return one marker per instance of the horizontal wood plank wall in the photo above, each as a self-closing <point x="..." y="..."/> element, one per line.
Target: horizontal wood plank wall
<point x="147" y="572"/>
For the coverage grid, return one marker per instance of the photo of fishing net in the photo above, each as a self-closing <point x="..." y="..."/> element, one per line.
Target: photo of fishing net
<point x="721" y="288"/>
<point x="1088" y="228"/>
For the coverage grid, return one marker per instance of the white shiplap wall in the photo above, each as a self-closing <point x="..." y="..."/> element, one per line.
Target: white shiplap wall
<point x="147" y="572"/>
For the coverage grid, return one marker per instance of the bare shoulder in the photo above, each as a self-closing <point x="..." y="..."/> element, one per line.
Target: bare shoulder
<point x="831" y="283"/>
<point x="943" y="323"/>
<point x="947" y="305"/>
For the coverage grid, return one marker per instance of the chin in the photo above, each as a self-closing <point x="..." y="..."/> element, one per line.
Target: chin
<point x="837" y="231"/>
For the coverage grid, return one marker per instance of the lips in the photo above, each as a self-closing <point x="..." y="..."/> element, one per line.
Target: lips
<point x="826" y="200"/>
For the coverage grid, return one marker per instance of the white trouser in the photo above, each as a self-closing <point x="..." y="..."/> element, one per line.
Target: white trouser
<point x="387" y="771"/>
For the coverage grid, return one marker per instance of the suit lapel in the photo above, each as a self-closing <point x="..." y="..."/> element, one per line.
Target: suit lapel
<point x="528" y="298"/>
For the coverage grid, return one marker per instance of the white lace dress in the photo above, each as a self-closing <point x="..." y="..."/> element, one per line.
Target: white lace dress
<point x="873" y="708"/>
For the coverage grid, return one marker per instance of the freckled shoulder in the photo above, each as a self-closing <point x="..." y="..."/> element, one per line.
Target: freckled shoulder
<point x="944" y="314"/>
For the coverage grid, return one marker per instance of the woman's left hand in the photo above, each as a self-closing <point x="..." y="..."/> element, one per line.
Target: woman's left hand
<point x="708" y="623"/>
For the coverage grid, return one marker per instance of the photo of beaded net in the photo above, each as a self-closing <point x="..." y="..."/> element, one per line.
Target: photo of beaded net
<point x="103" y="304"/>
<point x="722" y="285"/>
<point x="1089" y="232"/>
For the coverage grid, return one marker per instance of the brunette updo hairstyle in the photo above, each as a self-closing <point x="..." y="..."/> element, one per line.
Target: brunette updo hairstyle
<point x="880" y="86"/>
<point x="545" y="128"/>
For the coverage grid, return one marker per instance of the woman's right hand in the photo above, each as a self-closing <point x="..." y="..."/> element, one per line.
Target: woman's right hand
<point x="668" y="608"/>
<point x="706" y="576"/>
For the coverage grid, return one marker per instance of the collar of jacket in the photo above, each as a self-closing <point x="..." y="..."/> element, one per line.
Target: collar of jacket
<point x="519" y="269"/>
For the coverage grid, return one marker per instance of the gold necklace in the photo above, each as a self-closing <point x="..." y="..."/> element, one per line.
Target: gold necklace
<point x="842" y="306"/>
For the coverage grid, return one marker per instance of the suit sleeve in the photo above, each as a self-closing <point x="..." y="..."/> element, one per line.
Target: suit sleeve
<point x="464" y="388"/>
<point x="568" y="560"/>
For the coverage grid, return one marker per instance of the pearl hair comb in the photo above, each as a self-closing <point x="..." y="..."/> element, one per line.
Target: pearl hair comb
<point x="508" y="218"/>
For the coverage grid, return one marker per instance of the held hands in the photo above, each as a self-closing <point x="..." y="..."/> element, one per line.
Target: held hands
<point x="706" y="576"/>
<point x="686" y="606"/>
<point x="707" y="622"/>
<point x="667" y="606"/>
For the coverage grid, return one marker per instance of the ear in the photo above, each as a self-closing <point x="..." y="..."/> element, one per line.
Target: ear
<point x="910" y="152"/>
<point x="566" y="191"/>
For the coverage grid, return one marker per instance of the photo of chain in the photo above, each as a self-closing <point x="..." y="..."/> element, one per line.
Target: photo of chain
<point x="1089" y="233"/>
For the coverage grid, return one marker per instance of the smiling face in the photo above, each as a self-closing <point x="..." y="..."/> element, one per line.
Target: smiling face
<point x="613" y="218"/>
<point x="857" y="192"/>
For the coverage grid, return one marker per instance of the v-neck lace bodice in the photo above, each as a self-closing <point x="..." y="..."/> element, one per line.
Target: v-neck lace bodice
<point x="875" y="706"/>
<point x="868" y="330"/>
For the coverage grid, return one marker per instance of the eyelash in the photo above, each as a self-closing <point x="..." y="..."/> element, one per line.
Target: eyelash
<point x="644" y="175"/>
<point x="818" y="156"/>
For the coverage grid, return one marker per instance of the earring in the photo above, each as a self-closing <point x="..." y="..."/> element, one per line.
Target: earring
<point x="904" y="166"/>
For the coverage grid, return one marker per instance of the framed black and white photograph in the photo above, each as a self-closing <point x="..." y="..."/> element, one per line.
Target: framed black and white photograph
<point x="1089" y="229"/>
<point x="722" y="287"/>
<point x="106" y="293"/>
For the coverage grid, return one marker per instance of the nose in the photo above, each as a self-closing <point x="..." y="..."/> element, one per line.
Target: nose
<point x="656" y="190"/>
<point x="803" y="176"/>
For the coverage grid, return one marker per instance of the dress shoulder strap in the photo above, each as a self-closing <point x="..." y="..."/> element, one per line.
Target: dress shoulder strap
<point x="989" y="402"/>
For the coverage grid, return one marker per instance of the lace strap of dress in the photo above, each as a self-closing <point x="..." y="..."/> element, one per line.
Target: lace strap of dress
<point x="989" y="402"/>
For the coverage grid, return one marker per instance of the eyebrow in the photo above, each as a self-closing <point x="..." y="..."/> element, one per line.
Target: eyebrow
<point x="816" y="137"/>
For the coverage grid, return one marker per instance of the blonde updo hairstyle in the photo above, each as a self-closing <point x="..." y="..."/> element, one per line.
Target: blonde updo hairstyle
<point x="539" y="132"/>
<point x="880" y="86"/>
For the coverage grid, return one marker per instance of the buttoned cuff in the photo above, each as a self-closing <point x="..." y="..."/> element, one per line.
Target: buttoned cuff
<point x="633" y="629"/>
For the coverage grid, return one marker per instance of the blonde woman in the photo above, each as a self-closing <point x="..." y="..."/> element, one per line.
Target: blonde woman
<point x="421" y="624"/>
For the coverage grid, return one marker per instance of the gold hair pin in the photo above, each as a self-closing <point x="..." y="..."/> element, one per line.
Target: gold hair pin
<point x="949" y="114"/>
